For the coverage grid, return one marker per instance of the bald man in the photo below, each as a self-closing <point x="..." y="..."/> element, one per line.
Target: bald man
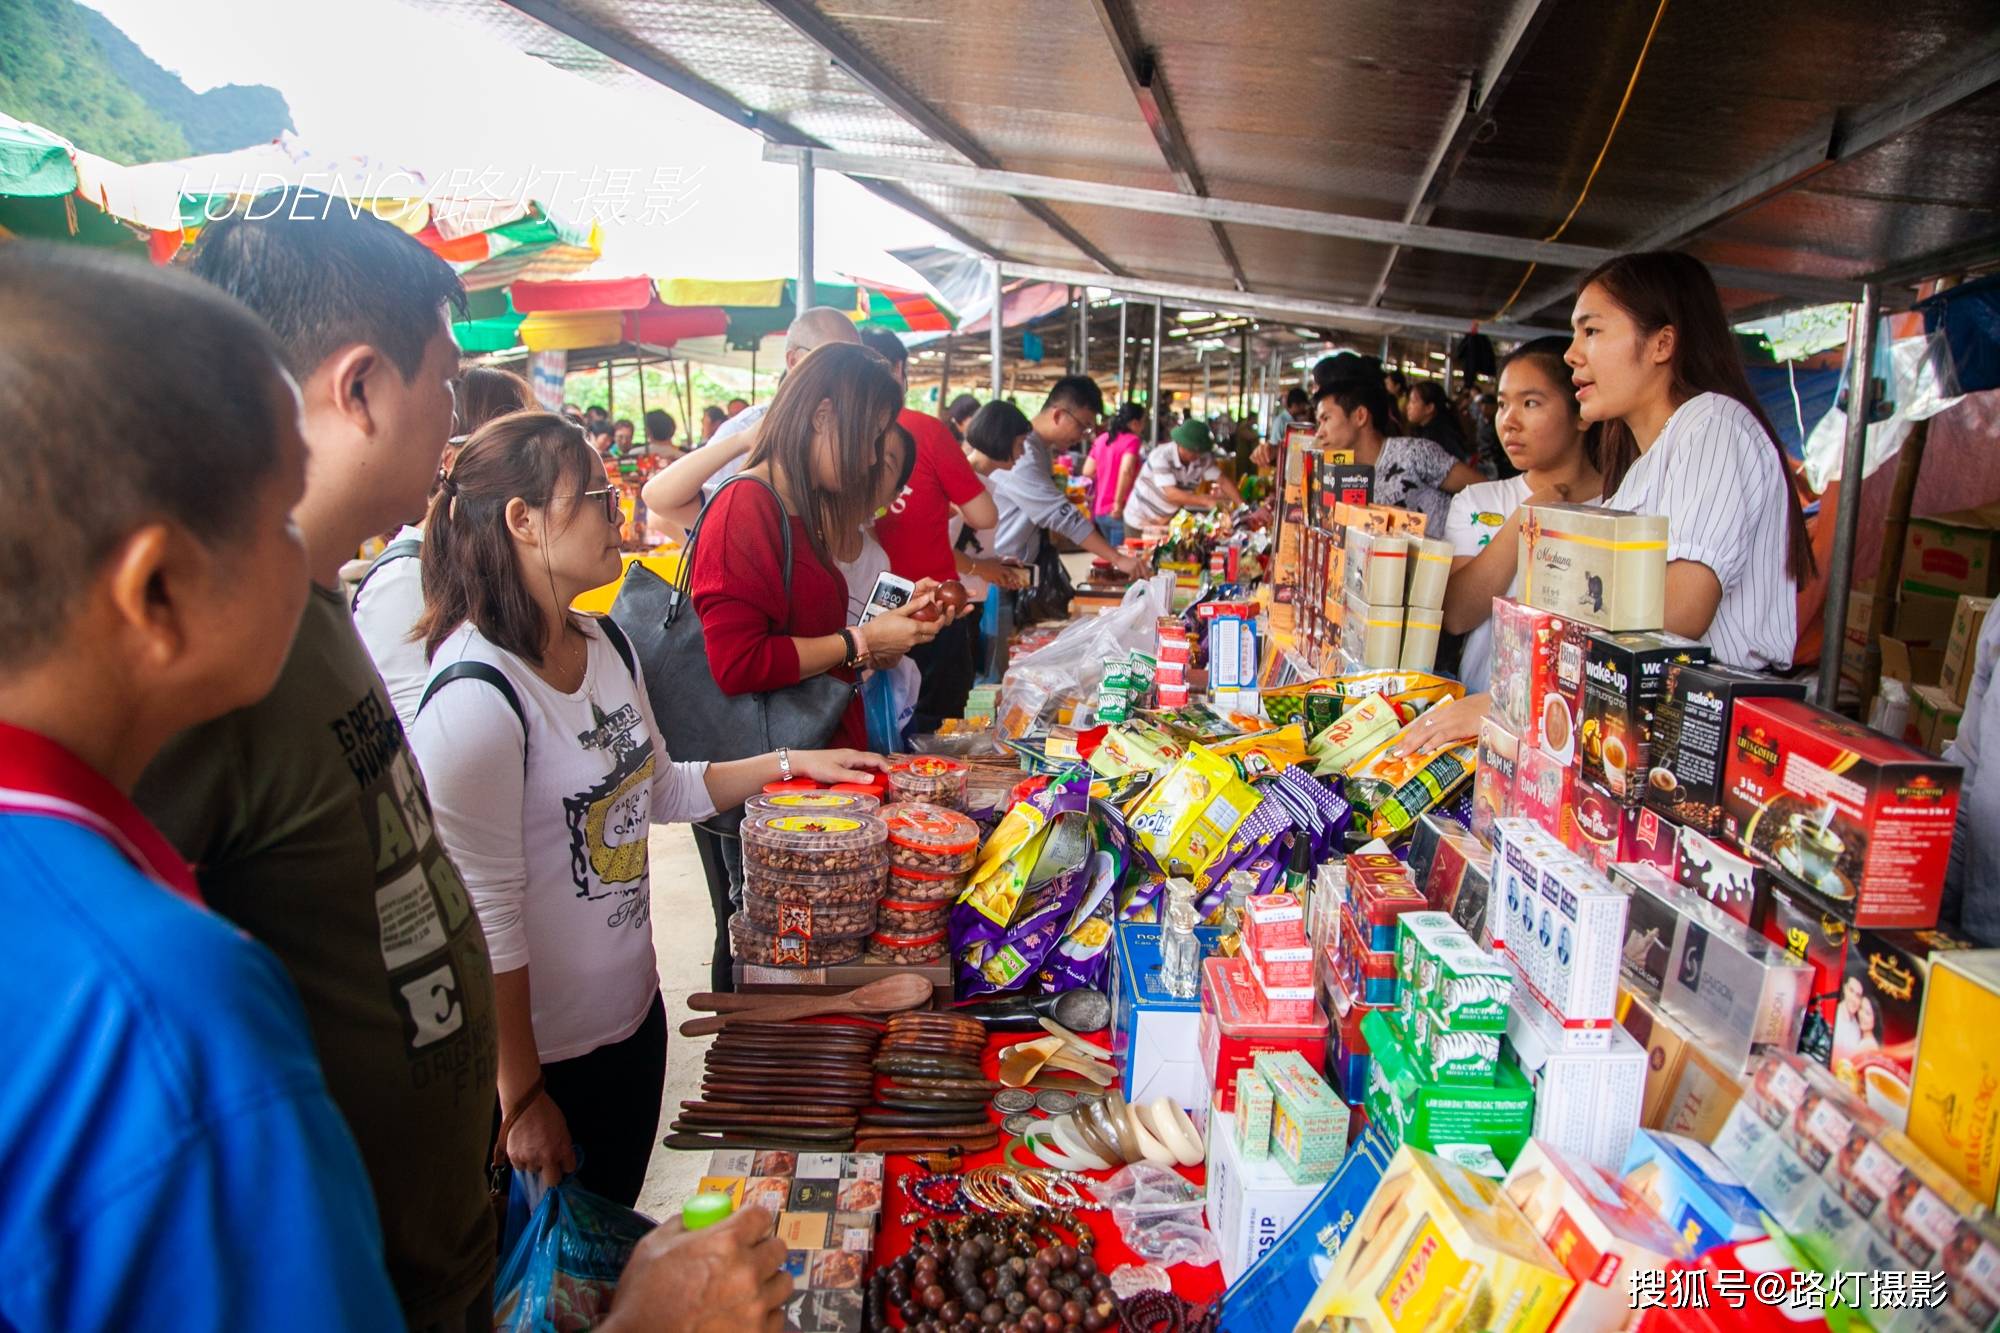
<point x="675" y="493"/>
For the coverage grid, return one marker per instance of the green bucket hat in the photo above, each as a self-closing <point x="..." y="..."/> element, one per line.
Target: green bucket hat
<point x="1194" y="436"/>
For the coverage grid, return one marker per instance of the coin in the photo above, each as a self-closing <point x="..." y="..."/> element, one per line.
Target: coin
<point x="1055" y="1101"/>
<point x="1088" y="1098"/>
<point x="1021" y="1122"/>
<point x="1011" y="1101"/>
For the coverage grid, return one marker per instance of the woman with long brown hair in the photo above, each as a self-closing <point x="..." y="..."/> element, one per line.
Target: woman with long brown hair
<point x="1654" y="360"/>
<point x="546" y="770"/>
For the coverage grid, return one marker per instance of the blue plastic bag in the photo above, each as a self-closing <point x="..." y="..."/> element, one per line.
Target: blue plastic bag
<point x="560" y="1273"/>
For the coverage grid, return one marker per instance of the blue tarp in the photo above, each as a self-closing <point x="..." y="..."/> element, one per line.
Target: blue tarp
<point x="1795" y="419"/>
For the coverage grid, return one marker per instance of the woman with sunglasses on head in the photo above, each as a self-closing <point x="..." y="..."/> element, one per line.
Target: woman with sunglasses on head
<point x="389" y="597"/>
<point x="546" y="769"/>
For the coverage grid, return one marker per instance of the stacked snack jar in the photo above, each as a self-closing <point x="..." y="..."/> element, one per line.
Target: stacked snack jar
<point x="811" y="882"/>
<point x="931" y="778"/>
<point x="931" y="850"/>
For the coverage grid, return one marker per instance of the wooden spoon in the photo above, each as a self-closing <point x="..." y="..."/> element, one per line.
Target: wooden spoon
<point x="905" y="990"/>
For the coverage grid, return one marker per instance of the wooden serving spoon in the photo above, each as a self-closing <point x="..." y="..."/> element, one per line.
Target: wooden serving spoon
<point x="905" y="990"/>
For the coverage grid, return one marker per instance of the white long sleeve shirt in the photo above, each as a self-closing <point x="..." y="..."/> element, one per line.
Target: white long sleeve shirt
<point x="554" y="853"/>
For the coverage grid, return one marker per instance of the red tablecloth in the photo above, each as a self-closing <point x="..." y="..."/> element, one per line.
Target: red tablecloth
<point x="1199" y="1285"/>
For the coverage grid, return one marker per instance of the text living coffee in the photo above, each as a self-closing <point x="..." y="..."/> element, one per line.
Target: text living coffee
<point x="1863" y="820"/>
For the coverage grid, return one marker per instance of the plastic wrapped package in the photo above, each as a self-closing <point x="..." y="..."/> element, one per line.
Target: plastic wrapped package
<point x="928" y="839"/>
<point x="929" y="778"/>
<point x="1159" y="1215"/>
<point x="754" y="945"/>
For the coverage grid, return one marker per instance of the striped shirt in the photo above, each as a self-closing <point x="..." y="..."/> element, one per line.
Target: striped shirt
<point x="1715" y="476"/>
<point x="1162" y="471"/>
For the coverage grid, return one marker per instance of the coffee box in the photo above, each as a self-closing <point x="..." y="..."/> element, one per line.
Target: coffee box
<point x="1813" y="934"/>
<point x="1604" y="567"/>
<point x="1493" y="780"/>
<point x="1624" y="678"/>
<point x="1862" y="820"/>
<point x="1545" y="791"/>
<point x="1656" y="841"/>
<point x="1718" y="875"/>
<point x="1606" y="826"/>
<point x="1527" y="693"/>
<point x="1691" y="734"/>
<point x="1954" y="1112"/>
<point x="1875" y="1021"/>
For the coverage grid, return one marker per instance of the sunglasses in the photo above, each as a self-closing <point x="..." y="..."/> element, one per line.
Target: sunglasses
<point x="609" y="497"/>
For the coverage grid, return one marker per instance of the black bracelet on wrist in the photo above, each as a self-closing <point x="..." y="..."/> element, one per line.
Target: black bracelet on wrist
<point x="851" y="656"/>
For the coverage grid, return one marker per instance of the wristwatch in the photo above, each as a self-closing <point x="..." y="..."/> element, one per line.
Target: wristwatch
<point x="784" y="764"/>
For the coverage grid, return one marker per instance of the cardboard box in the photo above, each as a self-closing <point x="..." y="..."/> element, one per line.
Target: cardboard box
<point x="1947" y="559"/>
<point x="1694" y="1192"/>
<point x="1691" y="738"/>
<point x="1863" y="820"/>
<point x="1686" y="1092"/>
<point x="1527" y="645"/>
<point x="1436" y="1248"/>
<point x="1156" y="1034"/>
<point x="1603" y="1233"/>
<point x="1934" y="718"/>
<point x="1493" y="780"/>
<point x="1875" y="1022"/>
<point x="1605" y="567"/>
<point x="1924" y="620"/>
<point x="1309" y="1123"/>
<point x="1718" y="874"/>
<point x="1961" y="650"/>
<point x="1624" y="678"/>
<point x="1587" y="1103"/>
<point x="1250" y="1202"/>
<point x="1856" y="634"/>
<point x="1813" y="934"/>
<point x="1480" y="1127"/>
<point x="1737" y="990"/>
<point x="1954" y="1112"/>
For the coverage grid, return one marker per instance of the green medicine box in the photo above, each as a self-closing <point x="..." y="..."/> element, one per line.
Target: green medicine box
<point x="1441" y="1118"/>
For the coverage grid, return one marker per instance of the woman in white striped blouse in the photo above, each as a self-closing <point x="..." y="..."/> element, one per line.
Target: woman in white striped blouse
<point x="1654" y="361"/>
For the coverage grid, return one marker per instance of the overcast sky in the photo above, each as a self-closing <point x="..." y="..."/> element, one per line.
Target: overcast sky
<point x="423" y="91"/>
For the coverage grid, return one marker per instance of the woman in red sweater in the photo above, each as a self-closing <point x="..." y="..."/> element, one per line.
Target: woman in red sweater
<point x="820" y="448"/>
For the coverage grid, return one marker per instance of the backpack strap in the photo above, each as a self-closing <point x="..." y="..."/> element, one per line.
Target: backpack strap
<point x="404" y="548"/>
<point x="491" y="675"/>
<point x="619" y="641"/>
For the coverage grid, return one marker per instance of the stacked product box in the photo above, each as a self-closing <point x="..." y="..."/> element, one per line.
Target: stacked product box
<point x="1280" y="957"/>
<point x="1237" y="1024"/>
<point x="1453" y="870"/>
<point x="1391" y="589"/>
<point x="1174" y="650"/>
<point x="1250" y="1198"/>
<point x="1691" y="738"/>
<point x="1309" y="1125"/>
<point x="1565" y="935"/>
<point x="1604" y="567"/>
<point x="1687" y="1092"/>
<point x="1954" y="1115"/>
<point x="1736" y="990"/>
<point x="1233" y="657"/>
<point x="1856" y="1195"/>
<point x="1520" y="848"/>
<point x="1885" y="987"/>
<point x="1604" y="1234"/>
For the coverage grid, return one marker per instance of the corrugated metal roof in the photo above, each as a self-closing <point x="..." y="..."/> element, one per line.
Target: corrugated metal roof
<point x="1341" y="107"/>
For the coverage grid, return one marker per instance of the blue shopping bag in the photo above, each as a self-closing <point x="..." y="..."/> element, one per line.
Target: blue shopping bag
<point x="563" y="1262"/>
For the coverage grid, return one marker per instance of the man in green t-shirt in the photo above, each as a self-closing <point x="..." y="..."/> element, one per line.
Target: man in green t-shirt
<point x="304" y="815"/>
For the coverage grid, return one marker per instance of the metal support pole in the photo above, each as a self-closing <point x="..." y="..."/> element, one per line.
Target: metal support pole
<point x="1153" y="394"/>
<point x="1263" y="398"/>
<point x="1385" y="349"/>
<point x="999" y="290"/>
<point x="944" y="379"/>
<point x="1242" y="376"/>
<point x="610" y="390"/>
<point x="753" y="373"/>
<point x="1122" y="306"/>
<point x="1207" y="409"/>
<point x="1860" y="401"/>
<point x="1083" y="330"/>
<point x="807" y="288"/>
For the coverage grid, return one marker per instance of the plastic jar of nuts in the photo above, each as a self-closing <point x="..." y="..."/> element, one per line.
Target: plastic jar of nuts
<point x="906" y="950"/>
<point x="929" y="777"/>
<point x="913" y="886"/>
<point x="929" y="839"/>
<point x="752" y="944"/>
<point x="898" y="916"/>
<point x="813" y="803"/>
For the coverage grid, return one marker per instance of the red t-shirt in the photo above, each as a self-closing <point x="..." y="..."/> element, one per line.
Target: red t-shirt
<point x="738" y="589"/>
<point x="916" y="532"/>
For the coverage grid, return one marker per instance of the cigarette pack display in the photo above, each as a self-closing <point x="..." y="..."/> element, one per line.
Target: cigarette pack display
<point x="1439" y="1247"/>
<point x="1587" y="1103"/>
<point x="1568" y="952"/>
<point x="1370" y="974"/>
<point x="1718" y="875"/>
<point x="1624" y="678"/>
<point x="1686" y="1092"/>
<point x="1468" y="1124"/>
<point x="1253" y="1113"/>
<point x="1604" y="1234"/>
<point x="1493" y="782"/>
<point x="1378" y="904"/>
<point x="1700" y="1199"/>
<point x="1545" y="791"/>
<point x="1605" y="567"/>
<point x="1875" y="1023"/>
<point x="1954" y="1115"/>
<point x="1250" y="1199"/>
<point x="1378" y="567"/>
<point x="1371" y="634"/>
<point x="1860" y="819"/>
<point x="1607" y="829"/>
<point x="1651" y="919"/>
<point x="1430" y="570"/>
<point x="1308" y="1123"/>
<point x="1237" y="1025"/>
<point x="1520" y="847"/>
<point x="1526" y="695"/>
<point x="1736" y="989"/>
<point x="1691" y="738"/>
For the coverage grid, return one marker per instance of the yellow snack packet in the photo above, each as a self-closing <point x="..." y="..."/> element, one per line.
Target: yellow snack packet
<point x="1186" y="817"/>
<point x="1267" y="752"/>
<point x="1353" y="735"/>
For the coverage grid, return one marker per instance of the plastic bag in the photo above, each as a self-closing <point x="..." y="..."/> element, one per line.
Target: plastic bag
<point x="1158" y="1215"/>
<point x="560" y="1275"/>
<point x="1072" y="664"/>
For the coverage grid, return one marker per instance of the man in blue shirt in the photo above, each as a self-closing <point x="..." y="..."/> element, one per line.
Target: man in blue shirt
<point x="171" y="1157"/>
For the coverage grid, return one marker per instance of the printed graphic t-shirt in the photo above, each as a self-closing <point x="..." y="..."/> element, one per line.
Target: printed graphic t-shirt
<point x="555" y="851"/>
<point x="1477" y="512"/>
<point x="916" y="530"/>
<point x="308" y="825"/>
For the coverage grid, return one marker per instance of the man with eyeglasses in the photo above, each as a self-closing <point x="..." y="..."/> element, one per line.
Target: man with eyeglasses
<point x="1032" y="502"/>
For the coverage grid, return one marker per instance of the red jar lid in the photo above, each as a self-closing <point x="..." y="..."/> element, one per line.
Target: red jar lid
<point x="792" y="784"/>
<point x="907" y="941"/>
<point x="875" y="786"/>
<point x="898" y="905"/>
